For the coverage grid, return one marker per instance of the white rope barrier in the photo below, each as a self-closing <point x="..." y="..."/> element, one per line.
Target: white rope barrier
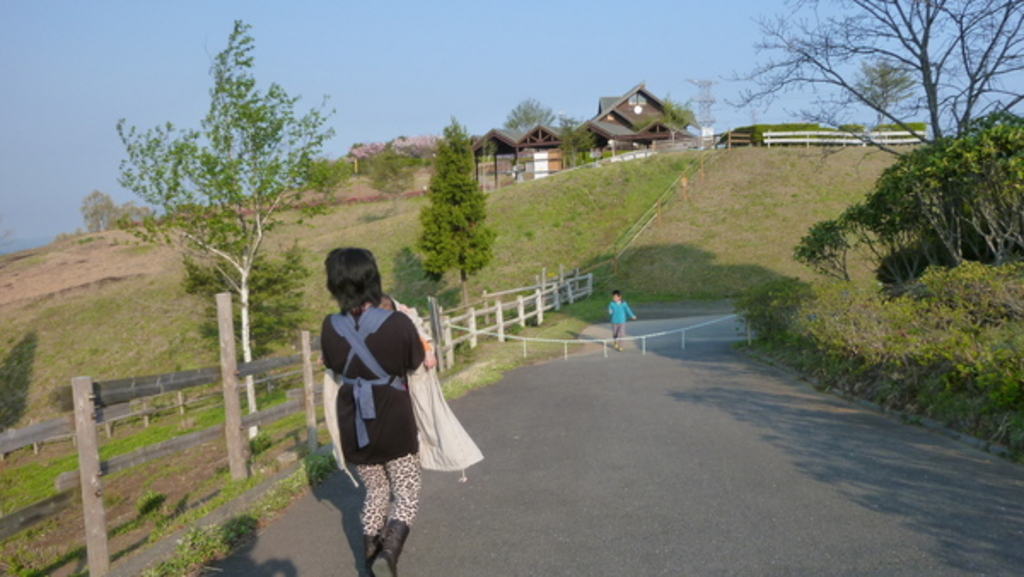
<point x="603" y="342"/>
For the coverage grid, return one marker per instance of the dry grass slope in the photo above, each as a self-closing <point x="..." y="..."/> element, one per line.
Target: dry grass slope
<point x="739" y="226"/>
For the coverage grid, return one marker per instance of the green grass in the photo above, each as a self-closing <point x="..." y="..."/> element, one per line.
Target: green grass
<point x="32" y="480"/>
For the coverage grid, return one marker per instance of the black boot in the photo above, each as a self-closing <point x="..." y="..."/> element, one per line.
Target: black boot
<point x="371" y="544"/>
<point x="391" y="541"/>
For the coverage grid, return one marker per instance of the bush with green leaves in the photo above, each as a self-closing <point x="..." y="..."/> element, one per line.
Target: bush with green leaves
<point x="951" y="349"/>
<point x="318" y="467"/>
<point x="260" y="443"/>
<point x="952" y="201"/>
<point x="150" y="503"/>
<point x="770" y="309"/>
<point x="920" y="127"/>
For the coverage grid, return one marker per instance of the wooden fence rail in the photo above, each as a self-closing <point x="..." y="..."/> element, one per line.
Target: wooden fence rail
<point x="495" y="312"/>
<point x="98" y="403"/>
<point x="822" y="137"/>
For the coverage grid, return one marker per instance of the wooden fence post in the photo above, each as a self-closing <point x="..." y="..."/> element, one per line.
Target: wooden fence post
<point x="437" y="334"/>
<point x="472" y="328"/>
<point x="229" y="378"/>
<point x="683" y="184"/>
<point x="307" y="385"/>
<point x="521" y="310"/>
<point x="450" y="349"/>
<point x="499" y="318"/>
<point x="89" y="476"/>
<point x="540" y="306"/>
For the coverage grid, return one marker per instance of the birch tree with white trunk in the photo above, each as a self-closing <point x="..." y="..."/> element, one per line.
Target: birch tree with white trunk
<point x="220" y="190"/>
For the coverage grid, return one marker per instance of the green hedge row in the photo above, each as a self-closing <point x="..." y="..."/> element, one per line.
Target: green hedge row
<point x="952" y="349"/>
<point x="757" y="130"/>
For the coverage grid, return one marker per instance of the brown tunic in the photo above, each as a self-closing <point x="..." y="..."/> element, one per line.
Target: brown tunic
<point x="396" y="346"/>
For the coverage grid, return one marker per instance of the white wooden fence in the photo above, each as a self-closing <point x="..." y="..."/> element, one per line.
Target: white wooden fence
<point x="831" y="137"/>
<point x="495" y="312"/>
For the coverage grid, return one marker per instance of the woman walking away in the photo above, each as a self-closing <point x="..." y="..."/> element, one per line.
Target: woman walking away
<point x="368" y="352"/>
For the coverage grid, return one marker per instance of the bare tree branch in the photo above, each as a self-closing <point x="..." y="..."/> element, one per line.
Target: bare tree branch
<point x="961" y="54"/>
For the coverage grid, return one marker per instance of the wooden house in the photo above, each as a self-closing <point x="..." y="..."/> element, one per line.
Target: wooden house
<point x="622" y="123"/>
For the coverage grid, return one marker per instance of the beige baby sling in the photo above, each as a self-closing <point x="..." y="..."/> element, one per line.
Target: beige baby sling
<point x="444" y="443"/>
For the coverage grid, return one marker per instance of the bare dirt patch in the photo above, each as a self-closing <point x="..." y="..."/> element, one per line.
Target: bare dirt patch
<point x="77" y="264"/>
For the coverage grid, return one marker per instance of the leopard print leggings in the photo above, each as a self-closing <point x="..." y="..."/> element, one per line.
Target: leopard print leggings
<point x="400" y="477"/>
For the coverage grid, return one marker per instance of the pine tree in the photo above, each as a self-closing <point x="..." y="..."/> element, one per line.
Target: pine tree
<point x="454" y="234"/>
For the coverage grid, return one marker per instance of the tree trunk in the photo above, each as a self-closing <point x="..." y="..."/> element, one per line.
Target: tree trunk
<point x="250" y="385"/>
<point x="464" y="278"/>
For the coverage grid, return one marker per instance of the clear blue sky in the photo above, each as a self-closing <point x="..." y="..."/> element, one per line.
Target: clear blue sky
<point x="70" y="70"/>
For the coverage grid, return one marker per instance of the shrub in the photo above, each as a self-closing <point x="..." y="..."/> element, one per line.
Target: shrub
<point x="260" y="443"/>
<point x="149" y="503"/>
<point x="770" y="308"/>
<point x="915" y="126"/>
<point x="318" y="468"/>
<point x="951" y="348"/>
<point x="989" y="295"/>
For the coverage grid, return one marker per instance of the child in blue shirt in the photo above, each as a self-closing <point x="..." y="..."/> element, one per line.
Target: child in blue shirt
<point x="618" y="310"/>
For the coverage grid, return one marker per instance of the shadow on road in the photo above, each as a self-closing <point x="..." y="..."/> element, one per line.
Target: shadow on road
<point x="926" y="489"/>
<point x="339" y="492"/>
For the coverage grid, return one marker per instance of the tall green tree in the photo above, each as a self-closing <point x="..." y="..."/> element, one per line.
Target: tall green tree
<point x="455" y="236"/>
<point x="528" y="114"/>
<point x="221" y="188"/>
<point x="677" y="116"/>
<point x="576" y="140"/>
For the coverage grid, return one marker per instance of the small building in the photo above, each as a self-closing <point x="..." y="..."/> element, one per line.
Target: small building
<point x="624" y="123"/>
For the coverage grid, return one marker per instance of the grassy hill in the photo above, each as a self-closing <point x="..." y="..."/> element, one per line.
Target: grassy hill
<point x="105" y="306"/>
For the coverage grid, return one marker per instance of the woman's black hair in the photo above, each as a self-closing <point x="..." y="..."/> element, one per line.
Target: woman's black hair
<point x="352" y="278"/>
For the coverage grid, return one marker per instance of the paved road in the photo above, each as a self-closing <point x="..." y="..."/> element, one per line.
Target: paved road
<point x="677" y="462"/>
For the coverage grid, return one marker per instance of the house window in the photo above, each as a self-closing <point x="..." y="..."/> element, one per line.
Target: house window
<point x="637" y="99"/>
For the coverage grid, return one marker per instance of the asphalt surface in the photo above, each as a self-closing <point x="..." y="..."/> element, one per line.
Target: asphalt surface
<point x="676" y="461"/>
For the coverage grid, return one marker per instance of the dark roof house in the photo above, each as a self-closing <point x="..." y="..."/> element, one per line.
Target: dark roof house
<point x="633" y="120"/>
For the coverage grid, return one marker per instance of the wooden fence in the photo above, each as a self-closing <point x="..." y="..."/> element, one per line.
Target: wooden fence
<point x="105" y="402"/>
<point x="826" y="137"/>
<point x="733" y="139"/>
<point x="495" y="312"/>
<point x="98" y="403"/>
